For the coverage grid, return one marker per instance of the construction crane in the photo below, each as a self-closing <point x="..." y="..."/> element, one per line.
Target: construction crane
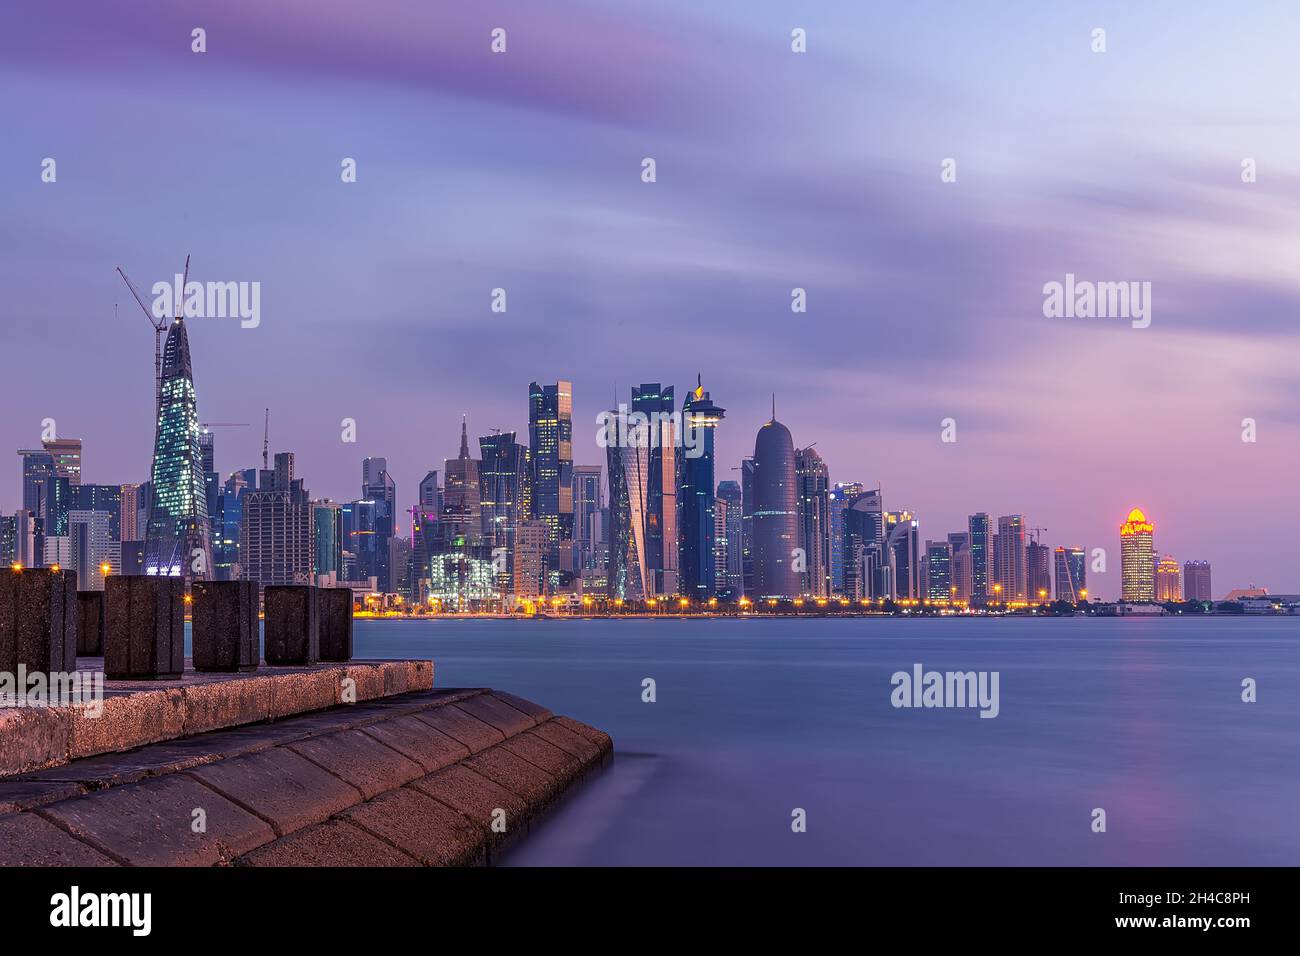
<point x="159" y="325"/>
<point x="224" y="424"/>
<point x="266" y="439"/>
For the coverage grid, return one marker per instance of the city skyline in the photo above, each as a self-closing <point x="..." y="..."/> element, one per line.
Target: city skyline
<point x="924" y="298"/>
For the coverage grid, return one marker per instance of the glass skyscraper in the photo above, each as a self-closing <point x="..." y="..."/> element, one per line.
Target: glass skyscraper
<point x="177" y="541"/>
<point x="550" y="442"/>
<point x="700" y="417"/>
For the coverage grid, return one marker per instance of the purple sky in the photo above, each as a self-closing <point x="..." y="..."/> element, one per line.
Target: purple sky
<point x="775" y="170"/>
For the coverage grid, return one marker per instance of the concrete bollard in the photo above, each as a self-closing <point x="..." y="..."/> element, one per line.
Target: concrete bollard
<point x="144" y="627"/>
<point x="335" y="624"/>
<point x="223" y="625"/>
<point x="292" y="624"/>
<point x="90" y="623"/>
<point x="38" y="620"/>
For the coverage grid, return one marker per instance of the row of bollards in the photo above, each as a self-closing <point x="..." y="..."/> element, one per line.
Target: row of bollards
<point x="138" y="624"/>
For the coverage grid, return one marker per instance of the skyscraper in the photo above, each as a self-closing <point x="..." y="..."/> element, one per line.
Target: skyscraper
<point x="1137" y="548"/>
<point x="275" y="545"/>
<point x="130" y="498"/>
<point x="550" y="442"/>
<point x="503" y="493"/>
<point x="1168" y="582"/>
<point x="838" y="499"/>
<point x="903" y="555"/>
<point x="1038" y="572"/>
<point x="959" y="543"/>
<point x="732" y="571"/>
<point x="655" y="403"/>
<point x="776" y="513"/>
<point x="461" y="507"/>
<point x="66" y="456"/>
<point x="981" y="556"/>
<point x="700" y="417"/>
<point x="1071" y="575"/>
<point x="812" y="490"/>
<point x="938" y="571"/>
<point x="177" y="540"/>
<point x="628" y="461"/>
<point x="38" y="464"/>
<point x="865" y="570"/>
<point x="588" y="524"/>
<point x="1012" y="577"/>
<point x="430" y="493"/>
<point x="1196" y="581"/>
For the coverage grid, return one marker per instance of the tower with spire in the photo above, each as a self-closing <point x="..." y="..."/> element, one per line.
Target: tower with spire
<point x="178" y="537"/>
<point x="697" y="502"/>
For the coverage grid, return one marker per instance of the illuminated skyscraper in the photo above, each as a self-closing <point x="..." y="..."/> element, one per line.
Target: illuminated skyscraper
<point x="865" y="573"/>
<point x="959" y="544"/>
<point x="655" y="402"/>
<point x="903" y="555"/>
<point x="1169" y="585"/>
<point x="177" y="540"/>
<point x="938" y="571"/>
<point x="812" y="488"/>
<point x="1137" y="548"/>
<point x="837" y="499"/>
<point x="731" y="571"/>
<point x="981" y="558"/>
<point x="775" y="514"/>
<point x="589" y="534"/>
<point x="461" y="506"/>
<point x="628" y="462"/>
<point x="700" y="417"/>
<point x="503" y="495"/>
<point x="1012" y="576"/>
<point x="1071" y="575"/>
<point x="1038" y="572"/>
<point x="550" y="442"/>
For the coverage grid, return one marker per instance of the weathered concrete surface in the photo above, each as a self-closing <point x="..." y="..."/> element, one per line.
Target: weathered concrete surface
<point x="144" y="627"/>
<point x="399" y="781"/>
<point x="142" y="712"/>
<point x="90" y="623"/>
<point x="224" y="631"/>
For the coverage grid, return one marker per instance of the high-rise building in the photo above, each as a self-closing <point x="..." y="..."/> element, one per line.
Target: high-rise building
<point x="903" y="555"/>
<point x="326" y="564"/>
<point x="1013" y="576"/>
<point x="1071" y="575"/>
<point x="698" y="559"/>
<point x="38" y="464"/>
<point x="747" y="527"/>
<point x="628" y="464"/>
<point x="102" y="498"/>
<point x="130" y="507"/>
<point x="430" y="494"/>
<point x="865" y="574"/>
<point x="1169" y="585"/>
<point x="731" y="570"/>
<point x="92" y="545"/>
<point x="66" y="456"/>
<point x="529" y="559"/>
<point x="1137" y="550"/>
<point x="959" y="545"/>
<point x="662" y="551"/>
<point x="838" y="499"/>
<point x="177" y="540"/>
<point x="18" y="539"/>
<point x="1038" y="572"/>
<point x="503" y="493"/>
<point x="775" y="514"/>
<point x="981" y="557"/>
<point x="550" y="442"/>
<point x="461" y="505"/>
<point x="1196" y="581"/>
<point x="589" y="533"/>
<point x="275" y="545"/>
<point x="812" y="495"/>
<point x="938" y="571"/>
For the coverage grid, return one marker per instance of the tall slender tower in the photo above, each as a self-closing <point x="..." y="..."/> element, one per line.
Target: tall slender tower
<point x="177" y="540"/>
<point x="1137" y="548"/>
<point x="776" y="518"/>
<point x="700" y="417"/>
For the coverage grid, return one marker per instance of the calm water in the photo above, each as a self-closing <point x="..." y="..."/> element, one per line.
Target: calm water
<point x="754" y="718"/>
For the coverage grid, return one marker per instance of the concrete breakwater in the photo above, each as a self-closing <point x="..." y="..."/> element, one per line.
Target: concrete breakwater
<point x="302" y="763"/>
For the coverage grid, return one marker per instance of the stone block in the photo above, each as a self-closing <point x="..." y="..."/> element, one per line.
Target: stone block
<point x="292" y="624"/>
<point x="38" y="620"/>
<point x="144" y="627"/>
<point x="335" y="624"/>
<point x="224" y="626"/>
<point x="90" y="623"/>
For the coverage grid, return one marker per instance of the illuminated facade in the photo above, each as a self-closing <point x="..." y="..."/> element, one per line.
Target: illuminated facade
<point x="775" y="515"/>
<point x="503" y="500"/>
<point x="1196" y="581"/>
<point x="1137" y="552"/>
<point x="1169" y="585"/>
<point x="462" y="579"/>
<point x="699" y="553"/>
<point x="628" y="466"/>
<point x="812" y="488"/>
<point x="550" y="442"/>
<point x="659" y="431"/>
<point x="981" y="558"/>
<point x="177" y="539"/>
<point x="1071" y="575"/>
<point x="1012" y="579"/>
